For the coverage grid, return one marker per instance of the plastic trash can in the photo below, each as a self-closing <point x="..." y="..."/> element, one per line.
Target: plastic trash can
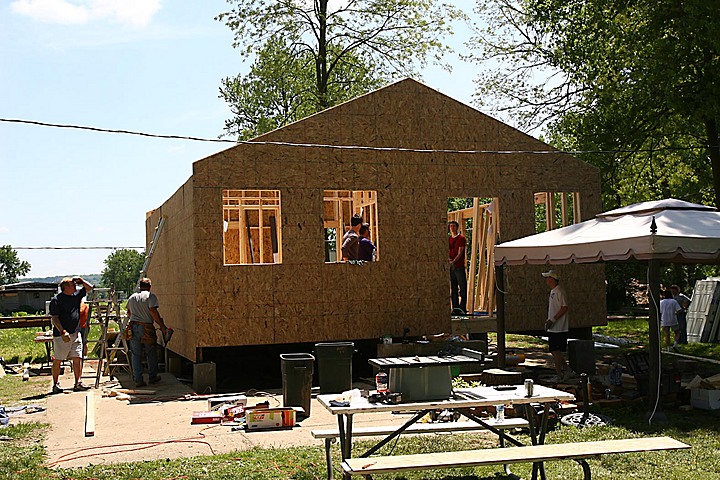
<point x="297" y="374"/>
<point x="334" y="366"/>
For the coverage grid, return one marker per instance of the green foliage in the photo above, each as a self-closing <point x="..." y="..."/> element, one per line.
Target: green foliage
<point x="122" y="269"/>
<point x="311" y="55"/>
<point x="636" y="81"/>
<point x="17" y="345"/>
<point x="21" y="458"/>
<point x="11" y="267"/>
<point x="280" y="89"/>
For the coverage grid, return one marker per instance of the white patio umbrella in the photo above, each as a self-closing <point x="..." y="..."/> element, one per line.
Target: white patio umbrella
<point x="667" y="230"/>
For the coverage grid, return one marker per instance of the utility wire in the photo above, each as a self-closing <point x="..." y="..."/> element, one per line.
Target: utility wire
<point x="349" y="147"/>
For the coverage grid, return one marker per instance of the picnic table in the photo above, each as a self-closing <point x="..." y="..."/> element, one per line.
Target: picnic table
<point x="461" y="400"/>
<point x="37" y="321"/>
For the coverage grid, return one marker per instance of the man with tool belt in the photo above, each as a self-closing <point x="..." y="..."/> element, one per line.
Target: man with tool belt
<point x="142" y="308"/>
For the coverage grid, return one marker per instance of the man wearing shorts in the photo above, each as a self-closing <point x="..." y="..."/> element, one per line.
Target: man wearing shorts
<point x="557" y="324"/>
<point x="65" y="318"/>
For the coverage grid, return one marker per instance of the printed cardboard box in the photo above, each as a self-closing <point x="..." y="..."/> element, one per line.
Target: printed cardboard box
<point x="262" y="418"/>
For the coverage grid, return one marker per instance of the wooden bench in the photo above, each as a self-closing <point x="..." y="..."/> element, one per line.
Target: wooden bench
<point x="500" y="456"/>
<point x="332" y="434"/>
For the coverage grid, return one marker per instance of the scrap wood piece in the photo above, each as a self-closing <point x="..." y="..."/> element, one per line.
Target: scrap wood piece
<point x="90" y="413"/>
<point x="129" y="391"/>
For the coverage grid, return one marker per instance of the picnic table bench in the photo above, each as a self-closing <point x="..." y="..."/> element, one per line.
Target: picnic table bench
<point x="332" y="434"/>
<point x="579" y="451"/>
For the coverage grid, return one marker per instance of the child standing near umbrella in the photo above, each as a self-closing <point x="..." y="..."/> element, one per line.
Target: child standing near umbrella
<point x="669" y="309"/>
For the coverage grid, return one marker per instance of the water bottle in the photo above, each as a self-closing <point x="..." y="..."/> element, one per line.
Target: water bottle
<point x="500" y="413"/>
<point x="381" y="382"/>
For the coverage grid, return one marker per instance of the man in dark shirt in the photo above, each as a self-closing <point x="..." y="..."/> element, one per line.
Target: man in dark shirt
<point x="65" y="318"/>
<point x="366" y="249"/>
<point x="351" y="239"/>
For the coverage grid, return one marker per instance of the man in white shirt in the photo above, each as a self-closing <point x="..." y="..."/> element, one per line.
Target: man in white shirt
<point x="557" y="324"/>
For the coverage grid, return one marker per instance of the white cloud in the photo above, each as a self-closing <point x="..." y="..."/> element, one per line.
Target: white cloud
<point x="4" y="229"/>
<point x="136" y="13"/>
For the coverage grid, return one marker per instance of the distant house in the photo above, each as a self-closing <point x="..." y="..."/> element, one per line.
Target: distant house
<point x="249" y="251"/>
<point x="26" y="296"/>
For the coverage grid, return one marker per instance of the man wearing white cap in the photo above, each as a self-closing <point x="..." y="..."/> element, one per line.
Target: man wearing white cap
<point x="557" y="323"/>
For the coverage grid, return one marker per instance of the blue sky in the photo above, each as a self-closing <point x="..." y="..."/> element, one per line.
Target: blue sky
<point x="142" y="65"/>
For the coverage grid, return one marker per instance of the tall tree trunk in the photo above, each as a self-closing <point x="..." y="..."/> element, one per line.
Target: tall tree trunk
<point x="321" y="61"/>
<point x="713" y="141"/>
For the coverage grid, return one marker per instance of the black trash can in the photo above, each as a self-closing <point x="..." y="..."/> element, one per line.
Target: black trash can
<point x="297" y="375"/>
<point x="334" y="366"/>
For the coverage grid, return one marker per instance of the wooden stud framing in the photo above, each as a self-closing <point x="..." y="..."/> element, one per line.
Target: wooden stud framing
<point x="548" y="200"/>
<point x="250" y="233"/>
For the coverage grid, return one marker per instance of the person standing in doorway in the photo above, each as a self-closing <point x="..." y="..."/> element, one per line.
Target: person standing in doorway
<point x="458" y="277"/>
<point x="557" y="324"/>
<point x="65" y="319"/>
<point x="142" y="308"/>
<point x="684" y="302"/>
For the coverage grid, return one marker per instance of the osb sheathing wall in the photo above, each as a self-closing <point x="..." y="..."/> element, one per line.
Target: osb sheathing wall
<point x="303" y="299"/>
<point x="172" y="268"/>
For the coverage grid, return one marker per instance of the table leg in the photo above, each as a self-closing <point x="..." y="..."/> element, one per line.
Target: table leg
<point x="397" y="432"/>
<point x="328" y="457"/>
<point x="502" y="435"/>
<point x="345" y="430"/>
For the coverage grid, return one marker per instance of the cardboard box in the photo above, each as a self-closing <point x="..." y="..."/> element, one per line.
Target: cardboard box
<point x="263" y="418"/>
<point x="705" y="399"/>
<point x="206" y="417"/>
<point x="228" y="399"/>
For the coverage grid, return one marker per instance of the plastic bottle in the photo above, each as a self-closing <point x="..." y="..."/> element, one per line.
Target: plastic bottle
<point x="500" y="413"/>
<point x="381" y="382"/>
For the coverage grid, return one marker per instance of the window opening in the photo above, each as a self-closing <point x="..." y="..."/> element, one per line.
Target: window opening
<point x="339" y="206"/>
<point x="251" y="233"/>
<point x="556" y="209"/>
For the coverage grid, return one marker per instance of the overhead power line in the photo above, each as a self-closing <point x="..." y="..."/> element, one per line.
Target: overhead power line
<point x="347" y="147"/>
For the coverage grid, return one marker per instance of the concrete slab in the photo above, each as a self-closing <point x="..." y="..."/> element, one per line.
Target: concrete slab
<point x="158" y="426"/>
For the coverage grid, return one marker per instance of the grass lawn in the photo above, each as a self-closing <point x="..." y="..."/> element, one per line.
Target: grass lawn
<point x="22" y="457"/>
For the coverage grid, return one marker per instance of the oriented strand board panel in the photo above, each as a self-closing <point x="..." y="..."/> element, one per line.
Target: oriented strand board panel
<point x="172" y="268"/>
<point x="304" y="299"/>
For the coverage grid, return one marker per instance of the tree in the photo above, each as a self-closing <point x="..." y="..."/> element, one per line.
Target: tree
<point x="11" y="267"/>
<point x="337" y="48"/>
<point x="636" y="78"/>
<point x="280" y="89"/>
<point x="122" y="269"/>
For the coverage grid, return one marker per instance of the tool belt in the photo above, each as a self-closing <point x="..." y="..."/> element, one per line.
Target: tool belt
<point x="149" y="336"/>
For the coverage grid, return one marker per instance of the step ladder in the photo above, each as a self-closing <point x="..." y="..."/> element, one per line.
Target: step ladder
<point x="104" y="311"/>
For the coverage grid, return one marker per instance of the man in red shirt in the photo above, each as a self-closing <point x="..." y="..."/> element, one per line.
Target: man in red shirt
<point x="458" y="278"/>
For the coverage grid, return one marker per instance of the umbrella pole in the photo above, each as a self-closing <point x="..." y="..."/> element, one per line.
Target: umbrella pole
<point x="654" y="413"/>
<point x="500" y="313"/>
